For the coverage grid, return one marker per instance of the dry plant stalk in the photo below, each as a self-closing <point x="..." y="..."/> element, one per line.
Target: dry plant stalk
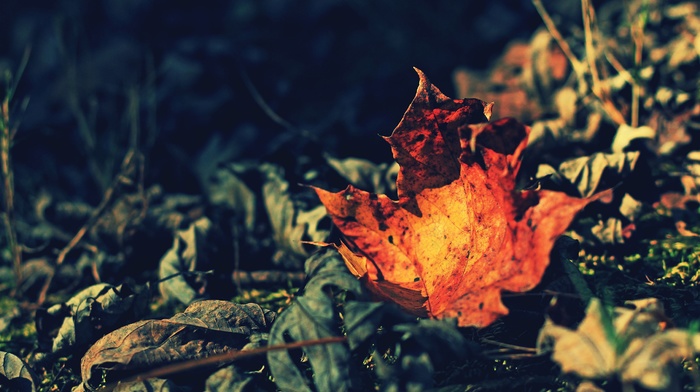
<point x="8" y="216"/>
<point x="7" y="133"/>
<point x="133" y="161"/>
<point x="598" y="88"/>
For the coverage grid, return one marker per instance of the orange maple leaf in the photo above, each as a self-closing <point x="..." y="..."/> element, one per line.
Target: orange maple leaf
<point x="460" y="233"/>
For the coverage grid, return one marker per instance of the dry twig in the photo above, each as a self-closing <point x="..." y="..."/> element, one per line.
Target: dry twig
<point x="132" y="158"/>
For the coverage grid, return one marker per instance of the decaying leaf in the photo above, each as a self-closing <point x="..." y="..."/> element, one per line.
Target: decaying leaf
<point x="290" y="223"/>
<point x="225" y="188"/>
<point x="205" y="328"/>
<point x="87" y="316"/>
<point x="460" y="232"/>
<point x="15" y="375"/>
<point x="241" y="376"/>
<point x="379" y="178"/>
<point x="188" y="254"/>
<point x="629" y="343"/>
<point x="584" y="176"/>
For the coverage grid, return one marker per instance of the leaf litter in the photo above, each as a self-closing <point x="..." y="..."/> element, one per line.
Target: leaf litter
<point x="492" y="255"/>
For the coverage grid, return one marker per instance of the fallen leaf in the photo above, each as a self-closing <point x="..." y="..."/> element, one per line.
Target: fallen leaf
<point x="205" y="328"/>
<point x="182" y="267"/>
<point x="96" y="310"/>
<point x="585" y="176"/>
<point x="291" y="223"/>
<point x="240" y="376"/>
<point x="628" y="343"/>
<point x="225" y="188"/>
<point x="15" y="375"/>
<point x="460" y="232"/>
<point x="313" y="315"/>
<point x="380" y="178"/>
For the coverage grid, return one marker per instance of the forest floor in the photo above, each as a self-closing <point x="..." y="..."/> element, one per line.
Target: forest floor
<point x="161" y="230"/>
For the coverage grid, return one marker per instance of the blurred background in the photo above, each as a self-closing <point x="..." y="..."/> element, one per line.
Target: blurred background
<point x="187" y="82"/>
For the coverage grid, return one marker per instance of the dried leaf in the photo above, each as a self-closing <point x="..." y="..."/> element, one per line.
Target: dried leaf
<point x="90" y="314"/>
<point x="225" y="188"/>
<point x="626" y="134"/>
<point x="290" y="223"/>
<point x="630" y="344"/>
<point x="379" y="178"/>
<point x="15" y="375"/>
<point x="188" y="254"/>
<point x="460" y="232"/>
<point x="205" y="328"/>
<point x="585" y="176"/>
<point x="588" y="351"/>
<point x="653" y="364"/>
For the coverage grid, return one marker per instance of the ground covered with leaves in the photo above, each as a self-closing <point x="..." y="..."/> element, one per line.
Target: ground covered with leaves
<point x="195" y="198"/>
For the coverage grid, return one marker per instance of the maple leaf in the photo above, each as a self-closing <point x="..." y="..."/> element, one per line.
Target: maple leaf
<point x="460" y="232"/>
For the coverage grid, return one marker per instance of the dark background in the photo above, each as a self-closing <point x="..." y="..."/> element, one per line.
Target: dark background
<point x="339" y="71"/>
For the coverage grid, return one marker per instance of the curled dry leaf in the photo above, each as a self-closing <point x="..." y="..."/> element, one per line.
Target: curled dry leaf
<point x="460" y="232"/>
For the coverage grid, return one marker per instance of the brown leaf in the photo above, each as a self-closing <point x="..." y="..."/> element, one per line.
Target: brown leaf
<point x="205" y="328"/>
<point x="628" y="343"/>
<point x="460" y="232"/>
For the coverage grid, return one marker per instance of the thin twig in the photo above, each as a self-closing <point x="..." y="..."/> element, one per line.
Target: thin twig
<point x="263" y="105"/>
<point x="587" y="12"/>
<point x="221" y="359"/>
<point x="577" y="65"/>
<point x="94" y="216"/>
<point x="509" y="346"/>
<point x="617" y="65"/>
